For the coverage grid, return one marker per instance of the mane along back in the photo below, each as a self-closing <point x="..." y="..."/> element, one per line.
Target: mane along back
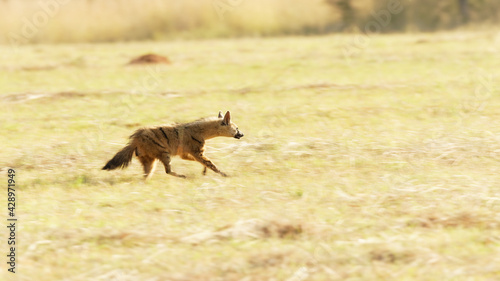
<point x="201" y="120"/>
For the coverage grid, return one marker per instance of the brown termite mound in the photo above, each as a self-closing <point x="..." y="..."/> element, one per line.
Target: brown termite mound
<point x="150" y="59"/>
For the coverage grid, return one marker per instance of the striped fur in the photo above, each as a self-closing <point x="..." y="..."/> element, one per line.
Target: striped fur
<point x="186" y="140"/>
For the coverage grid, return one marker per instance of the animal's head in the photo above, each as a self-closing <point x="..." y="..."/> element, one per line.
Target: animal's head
<point x="228" y="128"/>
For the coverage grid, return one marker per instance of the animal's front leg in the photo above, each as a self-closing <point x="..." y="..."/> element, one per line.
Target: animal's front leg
<point x="207" y="163"/>
<point x="191" y="158"/>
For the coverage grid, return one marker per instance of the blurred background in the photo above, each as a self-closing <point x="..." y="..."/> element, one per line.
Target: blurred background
<point x="119" y="20"/>
<point x="371" y="148"/>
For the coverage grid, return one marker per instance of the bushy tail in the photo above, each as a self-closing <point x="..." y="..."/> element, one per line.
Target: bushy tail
<point x="121" y="159"/>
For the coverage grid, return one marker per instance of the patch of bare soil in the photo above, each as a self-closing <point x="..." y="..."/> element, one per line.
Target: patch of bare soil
<point x="247" y="229"/>
<point x="22" y="97"/>
<point x="461" y="220"/>
<point x="388" y="256"/>
<point x="39" y="67"/>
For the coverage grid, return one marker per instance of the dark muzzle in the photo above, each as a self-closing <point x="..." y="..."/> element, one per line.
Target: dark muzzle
<point x="238" y="135"/>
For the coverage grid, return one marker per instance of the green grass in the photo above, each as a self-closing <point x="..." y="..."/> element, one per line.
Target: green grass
<point x="383" y="166"/>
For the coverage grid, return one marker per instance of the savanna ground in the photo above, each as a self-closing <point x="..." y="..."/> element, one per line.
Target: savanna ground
<point x="378" y="162"/>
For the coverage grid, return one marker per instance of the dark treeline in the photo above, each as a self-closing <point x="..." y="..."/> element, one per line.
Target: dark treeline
<point x="416" y="15"/>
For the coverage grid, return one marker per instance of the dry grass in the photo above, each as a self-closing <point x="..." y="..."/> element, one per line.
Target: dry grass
<point x="383" y="166"/>
<point x="62" y="21"/>
<point x="125" y="20"/>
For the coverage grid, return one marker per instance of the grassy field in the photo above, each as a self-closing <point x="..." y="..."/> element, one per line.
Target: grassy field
<point x="378" y="162"/>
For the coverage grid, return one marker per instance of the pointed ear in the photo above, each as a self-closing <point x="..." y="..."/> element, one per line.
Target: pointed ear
<point x="220" y="114"/>
<point x="227" y="119"/>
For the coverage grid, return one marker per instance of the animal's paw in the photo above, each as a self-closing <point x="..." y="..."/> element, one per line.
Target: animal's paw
<point x="223" y="174"/>
<point x="177" y="175"/>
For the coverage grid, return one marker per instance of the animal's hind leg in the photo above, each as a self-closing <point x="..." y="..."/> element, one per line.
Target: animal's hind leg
<point x="165" y="159"/>
<point x="149" y="165"/>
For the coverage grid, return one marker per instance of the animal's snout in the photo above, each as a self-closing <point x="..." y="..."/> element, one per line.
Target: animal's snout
<point x="238" y="135"/>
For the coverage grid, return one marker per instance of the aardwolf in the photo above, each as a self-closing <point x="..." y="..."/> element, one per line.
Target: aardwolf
<point x="186" y="140"/>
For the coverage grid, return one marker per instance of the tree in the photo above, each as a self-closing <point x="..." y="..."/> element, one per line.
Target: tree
<point x="346" y="9"/>
<point x="464" y="10"/>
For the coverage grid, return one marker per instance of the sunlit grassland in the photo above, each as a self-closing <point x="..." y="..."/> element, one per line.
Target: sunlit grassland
<point x="380" y="166"/>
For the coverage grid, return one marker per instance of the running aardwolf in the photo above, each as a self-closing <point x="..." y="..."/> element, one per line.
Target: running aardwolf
<point x="186" y="140"/>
